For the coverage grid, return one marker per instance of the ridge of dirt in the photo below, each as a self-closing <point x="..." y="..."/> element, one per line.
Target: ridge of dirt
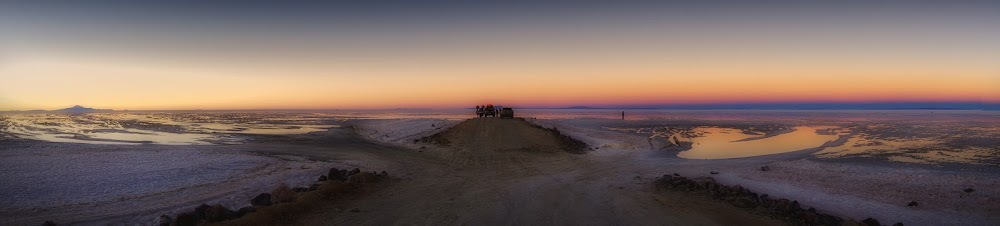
<point x="492" y="171"/>
<point x="498" y="134"/>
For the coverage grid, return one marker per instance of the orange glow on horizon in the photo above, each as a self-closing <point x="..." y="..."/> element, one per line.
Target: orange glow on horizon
<point x="110" y="85"/>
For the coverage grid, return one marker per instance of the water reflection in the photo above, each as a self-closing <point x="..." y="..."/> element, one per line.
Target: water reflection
<point x="922" y="150"/>
<point x="722" y="143"/>
<point x="159" y="128"/>
<point x="930" y="140"/>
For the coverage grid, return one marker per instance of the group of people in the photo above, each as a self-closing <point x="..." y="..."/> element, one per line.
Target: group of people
<point x="488" y="110"/>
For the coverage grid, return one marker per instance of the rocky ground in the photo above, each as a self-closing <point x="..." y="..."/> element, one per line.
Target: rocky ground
<point x="508" y="171"/>
<point x="511" y="171"/>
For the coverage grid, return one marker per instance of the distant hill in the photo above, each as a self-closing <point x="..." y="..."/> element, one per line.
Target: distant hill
<point x="80" y="109"/>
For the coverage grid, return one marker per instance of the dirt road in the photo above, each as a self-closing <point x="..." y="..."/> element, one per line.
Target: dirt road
<point x="508" y="171"/>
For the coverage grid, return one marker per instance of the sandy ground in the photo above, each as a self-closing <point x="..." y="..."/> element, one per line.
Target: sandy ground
<point x="481" y="181"/>
<point x="852" y="189"/>
<point x="609" y="185"/>
<point x="133" y="184"/>
<point x="473" y="182"/>
<point x="880" y="191"/>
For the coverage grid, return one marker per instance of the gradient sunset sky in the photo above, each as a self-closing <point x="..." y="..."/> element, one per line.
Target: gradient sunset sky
<point x="283" y="55"/>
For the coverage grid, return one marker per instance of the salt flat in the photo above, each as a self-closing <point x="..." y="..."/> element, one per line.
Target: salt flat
<point x="72" y="182"/>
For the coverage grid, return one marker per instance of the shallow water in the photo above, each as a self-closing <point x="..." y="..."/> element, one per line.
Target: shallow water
<point x="160" y="128"/>
<point x="145" y="136"/>
<point x="913" y="136"/>
<point x="910" y="150"/>
<point x="723" y="143"/>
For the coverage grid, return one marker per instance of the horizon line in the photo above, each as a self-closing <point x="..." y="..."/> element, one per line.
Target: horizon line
<point x="964" y="105"/>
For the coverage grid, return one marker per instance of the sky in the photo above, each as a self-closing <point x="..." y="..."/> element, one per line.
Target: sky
<point x="143" y="55"/>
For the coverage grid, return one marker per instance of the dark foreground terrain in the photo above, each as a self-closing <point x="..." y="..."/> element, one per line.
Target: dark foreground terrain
<point x="491" y="171"/>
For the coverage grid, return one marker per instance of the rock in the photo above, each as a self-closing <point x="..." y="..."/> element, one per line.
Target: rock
<point x="870" y="222"/>
<point x="851" y="222"/>
<point x="713" y="172"/>
<point x="765" y="168"/>
<point x="969" y="190"/>
<point x="383" y="174"/>
<point x="322" y="178"/>
<point x="165" y="220"/>
<point x="913" y="203"/>
<point x="185" y="219"/>
<point x="352" y="172"/>
<point x="809" y="218"/>
<point x="50" y="223"/>
<point x="300" y="189"/>
<point x="245" y="210"/>
<point x="785" y="206"/>
<point x="789" y="210"/>
<point x="336" y="174"/>
<point x="263" y="199"/>
<point x="898" y="224"/>
<point x="283" y="193"/>
<point x="365" y="177"/>
<point x="218" y="213"/>
<point x="201" y="211"/>
<point x="826" y="219"/>
<point x="416" y="141"/>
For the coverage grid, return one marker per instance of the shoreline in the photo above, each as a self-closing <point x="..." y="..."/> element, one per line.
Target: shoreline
<point x="178" y="183"/>
<point x="751" y="165"/>
<point x="604" y="173"/>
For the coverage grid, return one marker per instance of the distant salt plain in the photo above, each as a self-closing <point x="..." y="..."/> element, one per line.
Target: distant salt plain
<point x="155" y="128"/>
<point x="912" y="136"/>
<point x="185" y="163"/>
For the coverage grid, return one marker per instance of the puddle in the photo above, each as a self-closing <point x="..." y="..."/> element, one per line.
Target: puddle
<point x="286" y="130"/>
<point x="724" y="143"/>
<point x="155" y="137"/>
<point x="909" y="150"/>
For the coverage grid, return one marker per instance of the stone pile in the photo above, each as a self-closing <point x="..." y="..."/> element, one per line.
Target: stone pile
<point x="784" y="209"/>
<point x="281" y="194"/>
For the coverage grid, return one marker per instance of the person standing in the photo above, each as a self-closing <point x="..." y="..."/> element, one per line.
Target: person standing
<point x="623" y="115"/>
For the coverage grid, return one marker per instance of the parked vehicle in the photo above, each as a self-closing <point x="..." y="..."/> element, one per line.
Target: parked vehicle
<point x="507" y="113"/>
<point x="486" y="111"/>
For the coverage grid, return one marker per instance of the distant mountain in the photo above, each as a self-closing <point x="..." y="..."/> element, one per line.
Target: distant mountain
<point x="78" y="109"/>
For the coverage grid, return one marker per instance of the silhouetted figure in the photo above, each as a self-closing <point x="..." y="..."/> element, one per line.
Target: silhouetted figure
<point x="623" y="115"/>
